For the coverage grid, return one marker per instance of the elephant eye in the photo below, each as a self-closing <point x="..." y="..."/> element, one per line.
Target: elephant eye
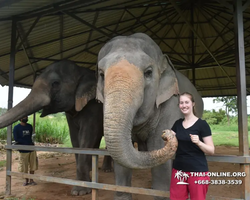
<point x="102" y="75"/>
<point x="55" y="84"/>
<point x="148" y="73"/>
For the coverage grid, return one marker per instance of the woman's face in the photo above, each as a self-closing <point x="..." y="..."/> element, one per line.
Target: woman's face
<point x="186" y="105"/>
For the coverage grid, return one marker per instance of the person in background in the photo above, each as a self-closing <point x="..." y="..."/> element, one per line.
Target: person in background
<point x="190" y="168"/>
<point x="27" y="159"/>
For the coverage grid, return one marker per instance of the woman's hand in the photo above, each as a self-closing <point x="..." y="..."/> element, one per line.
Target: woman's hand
<point x="195" y="139"/>
<point x="207" y="146"/>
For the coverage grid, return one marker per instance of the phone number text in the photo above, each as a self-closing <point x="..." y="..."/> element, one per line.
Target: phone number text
<point x="219" y="182"/>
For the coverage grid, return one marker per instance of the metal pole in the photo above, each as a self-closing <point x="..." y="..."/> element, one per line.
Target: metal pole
<point x="95" y="176"/>
<point x="34" y="115"/>
<point x="241" y="93"/>
<point x="10" y="103"/>
<point x="193" y="50"/>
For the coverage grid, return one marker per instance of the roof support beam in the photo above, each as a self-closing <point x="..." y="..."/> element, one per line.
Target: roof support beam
<point x="226" y="4"/>
<point x="197" y="35"/>
<point x="148" y="29"/>
<point x="83" y="32"/>
<point x="91" y="32"/>
<point x="27" y="34"/>
<point x="55" y="60"/>
<point x="193" y="45"/>
<point x="59" y="7"/>
<point x="20" y="31"/>
<point x="122" y="31"/>
<point x="61" y="34"/>
<point x="8" y="3"/>
<point x="171" y="23"/>
<point x="117" y="24"/>
<point x="245" y="6"/>
<point x="87" y="24"/>
<point x="219" y="32"/>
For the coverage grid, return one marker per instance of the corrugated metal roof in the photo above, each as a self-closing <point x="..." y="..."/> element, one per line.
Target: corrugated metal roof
<point x="202" y="39"/>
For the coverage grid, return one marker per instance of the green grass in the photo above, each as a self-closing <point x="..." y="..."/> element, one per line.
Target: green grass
<point x="102" y="144"/>
<point x="226" y="138"/>
<point x="2" y="163"/>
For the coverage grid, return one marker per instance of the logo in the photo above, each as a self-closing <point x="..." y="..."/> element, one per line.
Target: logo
<point x="181" y="176"/>
<point x="26" y="132"/>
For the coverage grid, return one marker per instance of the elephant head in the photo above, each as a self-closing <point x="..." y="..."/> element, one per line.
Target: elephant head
<point x="59" y="88"/>
<point x="134" y="78"/>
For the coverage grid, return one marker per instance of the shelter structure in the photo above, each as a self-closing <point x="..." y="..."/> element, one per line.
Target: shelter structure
<point x="207" y="40"/>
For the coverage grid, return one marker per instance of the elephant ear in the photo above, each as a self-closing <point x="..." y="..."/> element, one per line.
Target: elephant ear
<point x="85" y="92"/>
<point x="105" y="50"/>
<point x="99" y="88"/>
<point x="168" y="85"/>
<point x="99" y="92"/>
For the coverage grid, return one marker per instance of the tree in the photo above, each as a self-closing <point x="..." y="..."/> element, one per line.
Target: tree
<point x="2" y="110"/>
<point x="214" y="117"/>
<point x="230" y="103"/>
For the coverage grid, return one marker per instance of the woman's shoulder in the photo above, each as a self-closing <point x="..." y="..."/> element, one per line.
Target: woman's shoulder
<point x="202" y="121"/>
<point x="179" y="121"/>
<point x="203" y="124"/>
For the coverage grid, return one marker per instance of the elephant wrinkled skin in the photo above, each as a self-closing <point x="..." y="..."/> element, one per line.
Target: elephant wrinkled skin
<point x="64" y="86"/>
<point x="139" y="88"/>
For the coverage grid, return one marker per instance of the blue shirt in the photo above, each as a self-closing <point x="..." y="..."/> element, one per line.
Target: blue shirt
<point x="23" y="135"/>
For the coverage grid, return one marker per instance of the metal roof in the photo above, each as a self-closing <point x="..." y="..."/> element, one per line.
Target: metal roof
<point x="197" y="35"/>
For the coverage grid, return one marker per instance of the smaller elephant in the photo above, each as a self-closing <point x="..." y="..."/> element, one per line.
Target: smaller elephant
<point x="64" y="86"/>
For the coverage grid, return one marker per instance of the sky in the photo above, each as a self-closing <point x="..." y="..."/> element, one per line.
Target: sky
<point x="18" y="95"/>
<point x="21" y="93"/>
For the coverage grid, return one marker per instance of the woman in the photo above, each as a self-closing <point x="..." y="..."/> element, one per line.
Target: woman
<point x="190" y="168"/>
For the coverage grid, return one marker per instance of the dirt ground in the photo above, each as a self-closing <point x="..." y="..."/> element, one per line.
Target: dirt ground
<point x="63" y="165"/>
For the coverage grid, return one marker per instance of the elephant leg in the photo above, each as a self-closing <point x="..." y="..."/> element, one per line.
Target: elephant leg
<point x="161" y="176"/>
<point x="83" y="167"/>
<point x="107" y="164"/>
<point x="83" y="163"/>
<point x="123" y="177"/>
<point x="82" y="171"/>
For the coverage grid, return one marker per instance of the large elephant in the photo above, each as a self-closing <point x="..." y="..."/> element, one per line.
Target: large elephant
<point x="139" y="88"/>
<point x="64" y="86"/>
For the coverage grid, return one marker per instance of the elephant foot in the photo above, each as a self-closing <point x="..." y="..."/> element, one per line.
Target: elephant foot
<point x="107" y="170"/>
<point x="80" y="191"/>
<point x="107" y="164"/>
<point x="122" y="196"/>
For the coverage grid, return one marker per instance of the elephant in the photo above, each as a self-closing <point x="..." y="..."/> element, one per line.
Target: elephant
<point x="139" y="88"/>
<point x="64" y="86"/>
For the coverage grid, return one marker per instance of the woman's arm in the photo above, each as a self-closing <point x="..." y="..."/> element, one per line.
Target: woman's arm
<point x="207" y="146"/>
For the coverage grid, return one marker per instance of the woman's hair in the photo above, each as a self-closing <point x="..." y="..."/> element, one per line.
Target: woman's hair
<point x="191" y="98"/>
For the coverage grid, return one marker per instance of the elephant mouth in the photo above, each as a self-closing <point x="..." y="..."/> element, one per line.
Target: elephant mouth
<point x="47" y="110"/>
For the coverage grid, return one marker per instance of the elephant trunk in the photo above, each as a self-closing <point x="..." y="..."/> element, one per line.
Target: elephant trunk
<point x="32" y="103"/>
<point x="123" y="94"/>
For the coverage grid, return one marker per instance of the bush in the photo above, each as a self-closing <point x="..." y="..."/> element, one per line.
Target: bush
<point x="51" y="129"/>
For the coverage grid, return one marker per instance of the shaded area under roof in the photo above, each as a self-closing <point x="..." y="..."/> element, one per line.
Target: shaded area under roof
<point x="197" y="35"/>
